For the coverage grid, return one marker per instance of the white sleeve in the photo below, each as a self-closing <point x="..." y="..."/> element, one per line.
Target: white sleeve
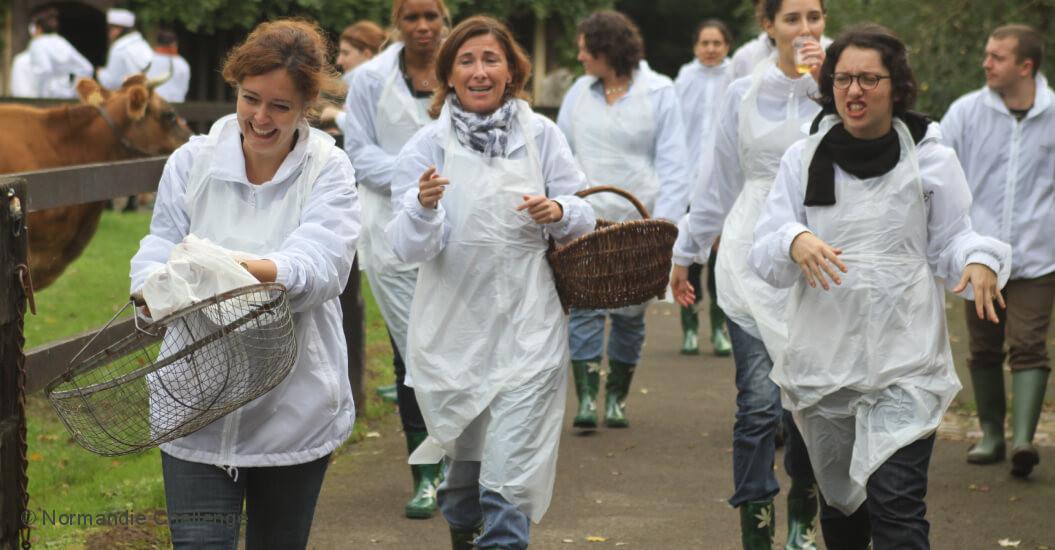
<point x="373" y="166"/>
<point x="671" y="156"/>
<point x="112" y="74"/>
<point x="169" y="223"/>
<point x="315" y="259"/>
<point x="952" y="242"/>
<point x="417" y="234"/>
<point x="563" y="179"/>
<point x="564" y="114"/>
<point x="721" y="179"/>
<point x="783" y="218"/>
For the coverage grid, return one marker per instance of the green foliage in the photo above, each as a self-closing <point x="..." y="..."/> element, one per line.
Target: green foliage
<point x="946" y="39"/>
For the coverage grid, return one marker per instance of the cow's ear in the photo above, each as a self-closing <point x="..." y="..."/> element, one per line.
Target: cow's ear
<point x="138" y="96"/>
<point x="91" y="92"/>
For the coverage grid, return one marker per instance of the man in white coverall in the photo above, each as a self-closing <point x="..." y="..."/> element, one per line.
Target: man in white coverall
<point x="1004" y="135"/>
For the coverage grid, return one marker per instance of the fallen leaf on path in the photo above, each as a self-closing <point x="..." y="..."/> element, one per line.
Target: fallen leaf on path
<point x="1008" y="543"/>
<point x="596" y="539"/>
<point x="1013" y="499"/>
<point x="622" y="543"/>
<point x="568" y="541"/>
<point x="644" y="391"/>
<point x="372" y="435"/>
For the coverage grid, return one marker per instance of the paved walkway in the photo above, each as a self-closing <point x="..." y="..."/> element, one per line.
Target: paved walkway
<point x="662" y="483"/>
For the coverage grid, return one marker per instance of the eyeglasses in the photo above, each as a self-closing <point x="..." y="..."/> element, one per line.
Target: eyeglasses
<point x="867" y="81"/>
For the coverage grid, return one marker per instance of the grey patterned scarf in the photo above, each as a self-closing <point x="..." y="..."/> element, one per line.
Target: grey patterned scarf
<point x="486" y="134"/>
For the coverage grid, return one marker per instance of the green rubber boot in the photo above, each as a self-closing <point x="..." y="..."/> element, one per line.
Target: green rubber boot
<point x="388" y="393"/>
<point x="616" y="388"/>
<point x="722" y="347"/>
<point x="1027" y="398"/>
<point x="427" y="478"/>
<point x="462" y="539"/>
<point x="802" y="516"/>
<point x="991" y="400"/>
<point x="690" y="327"/>
<point x="587" y="382"/>
<point x="756" y="524"/>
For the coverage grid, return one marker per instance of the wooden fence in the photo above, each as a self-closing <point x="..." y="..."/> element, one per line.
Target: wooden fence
<point x="23" y="373"/>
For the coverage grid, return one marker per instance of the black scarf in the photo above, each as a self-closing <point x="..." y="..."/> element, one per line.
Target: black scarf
<point x="863" y="158"/>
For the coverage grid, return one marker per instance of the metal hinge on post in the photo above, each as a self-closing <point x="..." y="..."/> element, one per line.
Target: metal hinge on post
<point x="14" y="483"/>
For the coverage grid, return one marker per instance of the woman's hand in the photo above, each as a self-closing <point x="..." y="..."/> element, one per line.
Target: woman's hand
<point x="814" y="52"/>
<point x="542" y="209"/>
<point x="684" y="294"/>
<point x="815" y="257"/>
<point x="984" y="283"/>
<point x="431" y="187"/>
<point x="265" y="271"/>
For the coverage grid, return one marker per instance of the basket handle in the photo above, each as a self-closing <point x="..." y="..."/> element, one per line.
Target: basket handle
<point x="621" y="192"/>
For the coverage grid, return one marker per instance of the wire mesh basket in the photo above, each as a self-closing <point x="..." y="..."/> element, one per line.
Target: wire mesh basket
<point x="618" y="264"/>
<point x="175" y="376"/>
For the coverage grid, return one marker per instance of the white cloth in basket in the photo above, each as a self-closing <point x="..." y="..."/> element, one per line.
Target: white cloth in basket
<point x="197" y="269"/>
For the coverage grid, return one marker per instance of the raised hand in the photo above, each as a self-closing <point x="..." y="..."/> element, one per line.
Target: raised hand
<point x="431" y="187"/>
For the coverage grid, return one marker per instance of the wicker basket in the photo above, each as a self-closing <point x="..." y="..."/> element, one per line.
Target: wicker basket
<point x="618" y="264"/>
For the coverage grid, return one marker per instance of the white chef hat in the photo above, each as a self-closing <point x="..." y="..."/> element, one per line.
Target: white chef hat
<point x="120" y="18"/>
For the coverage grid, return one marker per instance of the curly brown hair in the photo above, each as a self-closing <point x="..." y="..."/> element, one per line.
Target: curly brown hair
<point x="296" y="45"/>
<point x="479" y="25"/>
<point x="893" y="53"/>
<point x="615" y="36"/>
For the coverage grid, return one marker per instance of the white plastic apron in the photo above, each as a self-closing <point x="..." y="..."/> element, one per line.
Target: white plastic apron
<point x="488" y="345"/>
<point x="392" y="282"/>
<point x="867" y="369"/>
<point x="229" y="218"/>
<point x="745" y="298"/>
<point x="614" y="144"/>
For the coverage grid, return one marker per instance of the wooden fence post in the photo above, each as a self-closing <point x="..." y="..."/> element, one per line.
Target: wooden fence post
<point x="355" y="336"/>
<point x="13" y="481"/>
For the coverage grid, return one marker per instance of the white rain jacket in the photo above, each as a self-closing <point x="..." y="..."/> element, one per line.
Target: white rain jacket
<point x="128" y="55"/>
<point x="746" y="57"/>
<point x="637" y="144"/>
<point x="761" y="117"/>
<point x="1010" y="167"/>
<point x="309" y="229"/>
<point x="700" y="89"/>
<point x="56" y="66"/>
<point x="867" y="369"/>
<point x="174" y="90"/>
<point x="23" y="82"/>
<point x="488" y="341"/>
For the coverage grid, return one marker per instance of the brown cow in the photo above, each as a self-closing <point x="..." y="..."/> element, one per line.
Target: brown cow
<point x="140" y="123"/>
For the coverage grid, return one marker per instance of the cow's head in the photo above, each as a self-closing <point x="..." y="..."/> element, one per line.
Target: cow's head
<point x="146" y="120"/>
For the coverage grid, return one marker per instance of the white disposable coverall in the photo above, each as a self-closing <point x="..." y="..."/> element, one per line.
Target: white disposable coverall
<point x="23" y="82"/>
<point x="488" y="343"/>
<point x="382" y="116"/>
<point x="636" y="144"/>
<point x="309" y="229"/>
<point x="56" y="66"/>
<point x="174" y="90"/>
<point x="761" y="117"/>
<point x="129" y="55"/>
<point x="700" y="89"/>
<point x="1010" y="167"/>
<point x="867" y="369"/>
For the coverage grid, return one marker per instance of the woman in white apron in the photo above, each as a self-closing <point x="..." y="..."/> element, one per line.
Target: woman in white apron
<point x="487" y="346"/>
<point x="387" y="103"/>
<point x="624" y="124"/>
<point x="265" y="183"/>
<point x="874" y="211"/>
<point x="700" y="85"/>
<point x="761" y="116"/>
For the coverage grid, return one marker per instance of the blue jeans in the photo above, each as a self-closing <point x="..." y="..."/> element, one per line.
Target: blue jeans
<point x="586" y="335"/>
<point x="894" y="514"/>
<point x="758" y="416"/>
<point x="205" y="504"/>
<point x="465" y="504"/>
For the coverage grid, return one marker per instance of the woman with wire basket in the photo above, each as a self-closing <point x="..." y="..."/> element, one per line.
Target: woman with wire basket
<point x="264" y="183"/>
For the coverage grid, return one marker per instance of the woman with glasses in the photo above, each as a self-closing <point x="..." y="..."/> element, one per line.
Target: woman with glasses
<point x="867" y="217"/>
<point x="761" y="116"/>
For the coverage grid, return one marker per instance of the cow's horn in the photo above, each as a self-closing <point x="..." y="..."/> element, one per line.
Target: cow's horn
<point x="154" y="83"/>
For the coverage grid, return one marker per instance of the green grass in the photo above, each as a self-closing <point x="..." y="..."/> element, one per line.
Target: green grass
<point x="63" y="477"/>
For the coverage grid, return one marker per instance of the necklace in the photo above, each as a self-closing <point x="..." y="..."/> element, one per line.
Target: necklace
<point x="616" y="90"/>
